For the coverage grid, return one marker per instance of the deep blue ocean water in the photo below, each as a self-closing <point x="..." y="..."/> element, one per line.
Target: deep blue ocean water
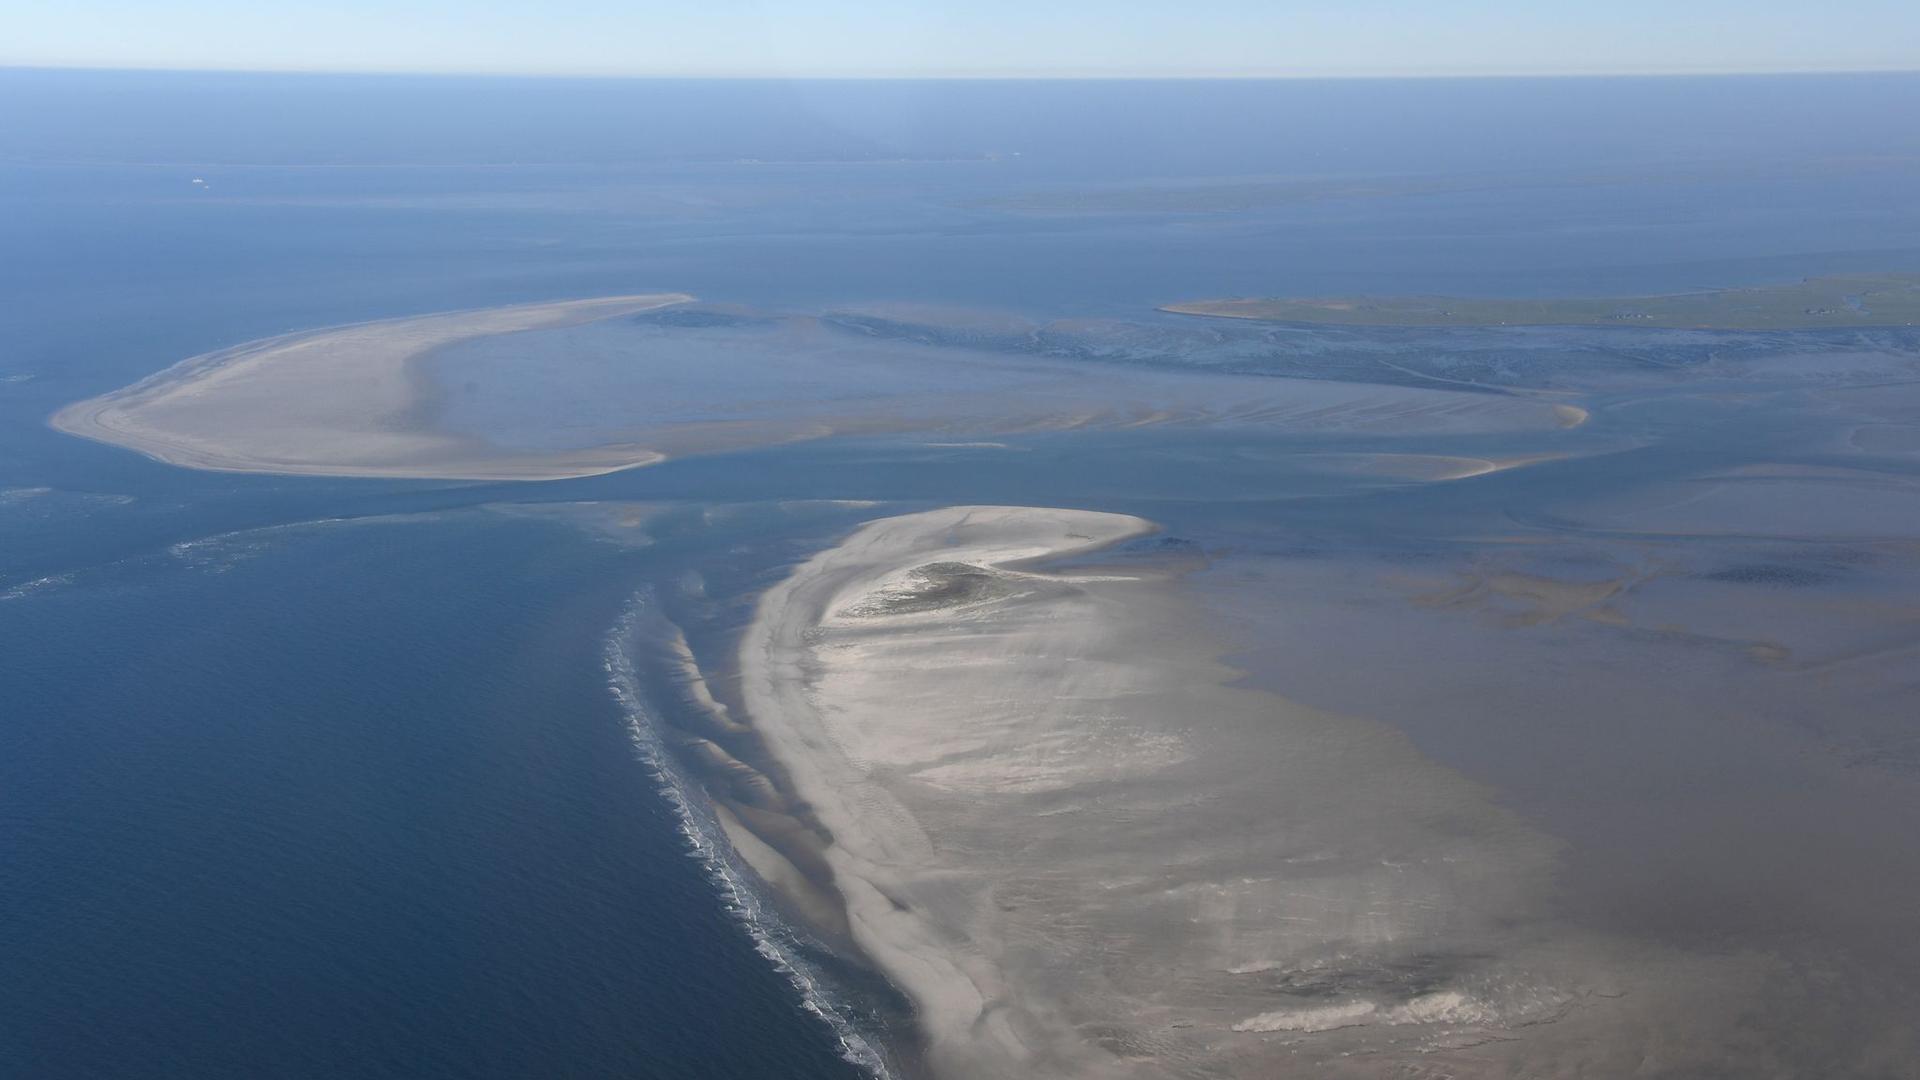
<point x="319" y="778"/>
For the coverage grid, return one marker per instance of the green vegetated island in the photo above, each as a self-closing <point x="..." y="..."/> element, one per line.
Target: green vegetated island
<point x="1854" y="300"/>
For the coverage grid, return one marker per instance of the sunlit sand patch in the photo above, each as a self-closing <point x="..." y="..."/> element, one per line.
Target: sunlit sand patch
<point x="1571" y="416"/>
<point x="348" y="401"/>
<point x="1449" y="1006"/>
<point x="1081" y="851"/>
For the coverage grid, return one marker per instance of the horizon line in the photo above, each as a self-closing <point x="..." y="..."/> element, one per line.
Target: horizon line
<point x="964" y="75"/>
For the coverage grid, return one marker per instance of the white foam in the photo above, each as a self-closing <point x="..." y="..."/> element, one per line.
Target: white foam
<point x="28" y="588"/>
<point x="772" y="938"/>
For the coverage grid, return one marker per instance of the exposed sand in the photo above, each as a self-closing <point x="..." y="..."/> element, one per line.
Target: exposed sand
<point x="346" y="401"/>
<point x="1080" y="851"/>
<point x="550" y="391"/>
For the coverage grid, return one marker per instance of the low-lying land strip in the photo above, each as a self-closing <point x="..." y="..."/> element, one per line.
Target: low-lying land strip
<point x="1815" y="303"/>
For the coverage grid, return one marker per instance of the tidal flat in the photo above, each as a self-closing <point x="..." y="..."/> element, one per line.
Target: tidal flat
<point x="1860" y="300"/>
<point x="1081" y="850"/>
<point x="1482" y="700"/>
<point x="586" y="387"/>
<point x="340" y="401"/>
<point x="1348" y="701"/>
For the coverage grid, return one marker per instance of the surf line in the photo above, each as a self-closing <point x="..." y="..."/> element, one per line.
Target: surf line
<point x="774" y="938"/>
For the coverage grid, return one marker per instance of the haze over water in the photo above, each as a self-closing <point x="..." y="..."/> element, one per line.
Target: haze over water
<point x="317" y="777"/>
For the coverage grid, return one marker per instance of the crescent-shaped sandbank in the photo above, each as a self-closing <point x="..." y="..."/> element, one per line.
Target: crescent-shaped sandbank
<point x="343" y="401"/>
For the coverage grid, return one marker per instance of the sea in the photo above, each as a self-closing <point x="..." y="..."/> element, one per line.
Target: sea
<point x="337" y="778"/>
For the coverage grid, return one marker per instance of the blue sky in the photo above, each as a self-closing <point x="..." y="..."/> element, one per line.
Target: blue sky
<point x="967" y="37"/>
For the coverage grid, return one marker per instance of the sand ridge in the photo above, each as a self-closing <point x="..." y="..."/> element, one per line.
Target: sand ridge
<point x="1079" y="850"/>
<point x="344" y="401"/>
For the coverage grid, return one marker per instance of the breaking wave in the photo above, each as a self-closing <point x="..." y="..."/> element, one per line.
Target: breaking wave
<point x="773" y="938"/>
<point x="37" y="585"/>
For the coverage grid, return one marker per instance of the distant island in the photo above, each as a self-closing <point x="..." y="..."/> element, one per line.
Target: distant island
<point x="1851" y="300"/>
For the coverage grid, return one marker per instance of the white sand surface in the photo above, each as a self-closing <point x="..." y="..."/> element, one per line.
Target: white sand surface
<point x="346" y="401"/>
<point x="1081" y="851"/>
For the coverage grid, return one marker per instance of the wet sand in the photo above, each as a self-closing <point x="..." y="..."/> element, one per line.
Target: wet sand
<point x="1054" y="820"/>
<point x="553" y="391"/>
<point x="346" y="401"/>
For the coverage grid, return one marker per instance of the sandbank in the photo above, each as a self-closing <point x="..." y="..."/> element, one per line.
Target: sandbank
<point x="344" y="401"/>
<point x="551" y="391"/>
<point x="1055" y="823"/>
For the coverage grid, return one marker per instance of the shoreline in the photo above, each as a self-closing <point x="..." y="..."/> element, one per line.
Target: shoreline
<point x="336" y="402"/>
<point x="1065" y="830"/>
<point x="370" y="399"/>
<point x="951" y="993"/>
<point x="709" y="829"/>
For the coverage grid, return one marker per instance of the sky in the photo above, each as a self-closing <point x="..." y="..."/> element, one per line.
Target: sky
<point x="967" y="38"/>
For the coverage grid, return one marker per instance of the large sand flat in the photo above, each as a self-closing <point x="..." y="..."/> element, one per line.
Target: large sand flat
<point x="347" y="401"/>
<point x="550" y="391"/>
<point x="1081" y="852"/>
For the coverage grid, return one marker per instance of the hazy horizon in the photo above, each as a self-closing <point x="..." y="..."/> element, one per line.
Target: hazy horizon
<point x="971" y="76"/>
<point x="862" y="39"/>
